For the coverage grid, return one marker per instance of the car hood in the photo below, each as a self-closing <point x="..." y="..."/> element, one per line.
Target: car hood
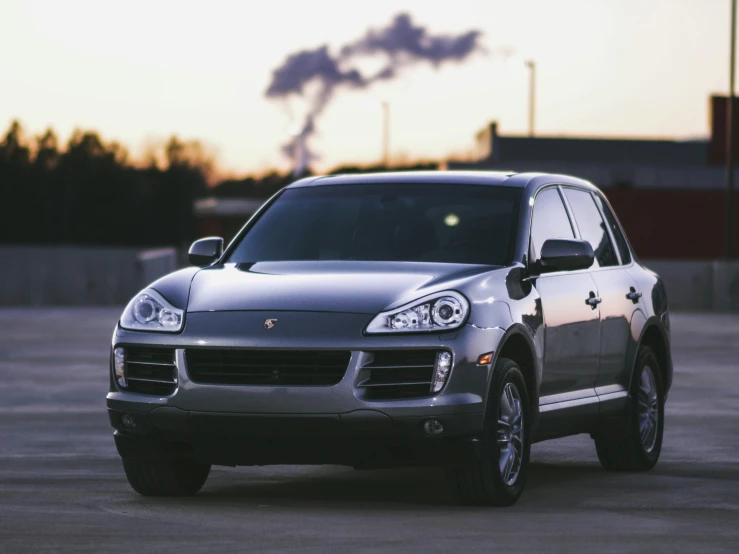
<point x="328" y="286"/>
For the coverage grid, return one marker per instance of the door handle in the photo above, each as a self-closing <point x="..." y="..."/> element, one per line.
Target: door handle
<point x="593" y="300"/>
<point x="633" y="295"/>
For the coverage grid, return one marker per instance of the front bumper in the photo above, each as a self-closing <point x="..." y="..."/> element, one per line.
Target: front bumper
<point x="197" y="414"/>
<point x="361" y="438"/>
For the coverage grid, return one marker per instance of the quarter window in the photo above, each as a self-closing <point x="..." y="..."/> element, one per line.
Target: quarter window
<point x="550" y="220"/>
<point x="592" y="227"/>
<point x="623" y="247"/>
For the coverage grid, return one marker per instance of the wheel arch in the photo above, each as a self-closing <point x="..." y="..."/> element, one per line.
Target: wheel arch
<point x="653" y="335"/>
<point x="518" y="345"/>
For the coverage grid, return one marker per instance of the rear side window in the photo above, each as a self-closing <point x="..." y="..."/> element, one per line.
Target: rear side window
<point x="621" y="244"/>
<point x="550" y="220"/>
<point x="592" y="227"/>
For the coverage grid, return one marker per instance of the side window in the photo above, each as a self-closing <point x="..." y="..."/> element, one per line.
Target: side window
<point x="621" y="244"/>
<point x="550" y="220"/>
<point x="592" y="227"/>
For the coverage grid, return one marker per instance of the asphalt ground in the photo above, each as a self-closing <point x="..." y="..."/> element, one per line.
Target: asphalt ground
<point x="62" y="487"/>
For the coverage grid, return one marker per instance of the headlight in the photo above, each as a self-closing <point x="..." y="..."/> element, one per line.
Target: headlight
<point x="437" y="312"/>
<point x="149" y="311"/>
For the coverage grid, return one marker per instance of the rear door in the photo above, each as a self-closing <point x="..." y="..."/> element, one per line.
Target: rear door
<point x="619" y="297"/>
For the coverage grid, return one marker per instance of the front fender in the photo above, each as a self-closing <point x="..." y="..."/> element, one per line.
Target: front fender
<point x="534" y="359"/>
<point x="175" y="287"/>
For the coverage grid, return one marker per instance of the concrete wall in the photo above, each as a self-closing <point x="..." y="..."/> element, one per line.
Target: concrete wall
<point x="72" y="275"/>
<point x="152" y="264"/>
<point x="698" y="285"/>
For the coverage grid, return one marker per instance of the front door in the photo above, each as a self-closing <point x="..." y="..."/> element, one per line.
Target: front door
<point x="571" y="336"/>
<point x="572" y="329"/>
<point x="571" y="325"/>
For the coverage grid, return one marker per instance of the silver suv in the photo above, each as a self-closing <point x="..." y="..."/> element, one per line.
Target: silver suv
<point x="444" y="318"/>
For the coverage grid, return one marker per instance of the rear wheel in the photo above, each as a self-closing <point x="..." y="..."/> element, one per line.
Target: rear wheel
<point x="165" y="477"/>
<point x="496" y="474"/>
<point x="637" y="444"/>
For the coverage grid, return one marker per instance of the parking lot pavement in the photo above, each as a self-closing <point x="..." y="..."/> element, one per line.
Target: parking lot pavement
<point x="62" y="486"/>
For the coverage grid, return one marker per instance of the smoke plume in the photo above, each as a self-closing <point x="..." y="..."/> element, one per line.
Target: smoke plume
<point x="402" y="42"/>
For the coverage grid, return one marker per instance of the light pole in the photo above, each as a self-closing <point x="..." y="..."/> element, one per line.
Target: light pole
<point x="532" y="87"/>
<point x="730" y="146"/>
<point x="386" y="133"/>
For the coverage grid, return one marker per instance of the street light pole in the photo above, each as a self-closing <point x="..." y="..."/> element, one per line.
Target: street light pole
<point x="386" y="133"/>
<point x="730" y="153"/>
<point x="532" y="88"/>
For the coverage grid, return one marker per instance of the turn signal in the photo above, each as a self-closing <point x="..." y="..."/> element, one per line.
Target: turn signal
<point x="441" y="371"/>
<point x="485" y="359"/>
<point x="119" y="365"/>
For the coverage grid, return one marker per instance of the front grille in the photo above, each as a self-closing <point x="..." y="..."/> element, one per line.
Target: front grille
<point x="394" y="374"/>
<point x="266" y="367"/>
<point x="150" y="370"/>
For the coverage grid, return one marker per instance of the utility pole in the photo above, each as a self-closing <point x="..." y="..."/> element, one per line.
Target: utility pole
<point x="386" y="133"/>
<point x="730" y="153"/>
<point x="532" y="90"/>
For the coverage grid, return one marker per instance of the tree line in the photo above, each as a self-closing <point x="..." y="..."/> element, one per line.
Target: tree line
<point x="90" y="193"/>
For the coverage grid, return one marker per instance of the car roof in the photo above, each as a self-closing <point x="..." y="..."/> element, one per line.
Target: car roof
<point x="468" y="177"/>
<point x="532" y="181"/>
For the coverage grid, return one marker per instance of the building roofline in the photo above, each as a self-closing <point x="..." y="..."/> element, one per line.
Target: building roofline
<point x="602" y="139"/>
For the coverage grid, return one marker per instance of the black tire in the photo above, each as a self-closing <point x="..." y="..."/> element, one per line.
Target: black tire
<point x="622" y="447"/>
<point x="479" y="481"/>
<point x="165" y="477"/>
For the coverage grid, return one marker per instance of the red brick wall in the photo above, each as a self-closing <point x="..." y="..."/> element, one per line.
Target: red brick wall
<point x="675" y="224"/>
<point x="718" y="146"/>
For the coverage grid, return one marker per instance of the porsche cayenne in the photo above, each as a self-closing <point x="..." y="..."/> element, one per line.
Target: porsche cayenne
<point x="380" y="320"/>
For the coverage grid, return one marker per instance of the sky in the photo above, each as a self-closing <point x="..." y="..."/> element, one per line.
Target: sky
<point x="139" y="71"/>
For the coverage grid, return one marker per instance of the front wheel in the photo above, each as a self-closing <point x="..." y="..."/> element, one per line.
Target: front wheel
<point x="165" y="477"/>
<point x="496" y="474"/>
<point x="637" y="444"/>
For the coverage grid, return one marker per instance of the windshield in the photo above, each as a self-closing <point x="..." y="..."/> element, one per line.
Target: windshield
<point x="470" y="224"/>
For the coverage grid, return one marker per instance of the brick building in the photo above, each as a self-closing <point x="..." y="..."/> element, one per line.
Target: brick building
<point x="669" y="194"/>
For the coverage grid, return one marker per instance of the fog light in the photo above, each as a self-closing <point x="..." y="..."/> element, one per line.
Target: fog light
<point x="119" y="364"/>
<point x="441" y="371"/>
<point x="128" y="421"/>
<point x="433" y="427"/>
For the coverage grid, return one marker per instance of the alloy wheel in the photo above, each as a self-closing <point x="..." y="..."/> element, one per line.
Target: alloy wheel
<point x="510" y="434"/>
<point x="648" y="409"/>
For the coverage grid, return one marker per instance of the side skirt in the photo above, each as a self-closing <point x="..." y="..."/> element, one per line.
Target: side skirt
<point x="583" y="411"/>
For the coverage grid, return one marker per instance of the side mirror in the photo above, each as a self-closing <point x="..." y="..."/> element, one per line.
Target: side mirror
<point x="566" y="255"/>
<point x="205" y="251"/>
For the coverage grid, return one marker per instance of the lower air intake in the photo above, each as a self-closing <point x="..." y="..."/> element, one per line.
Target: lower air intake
<point x="150" y="370"/>
<point x="397" y="374"/>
